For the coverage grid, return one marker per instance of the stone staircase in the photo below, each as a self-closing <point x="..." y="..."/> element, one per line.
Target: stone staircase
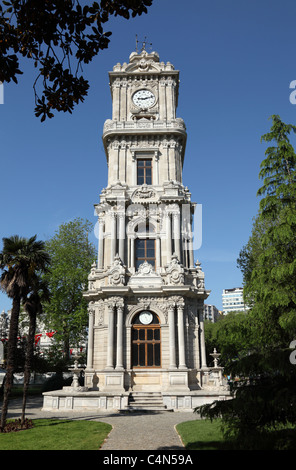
<point x="146" y="401"/>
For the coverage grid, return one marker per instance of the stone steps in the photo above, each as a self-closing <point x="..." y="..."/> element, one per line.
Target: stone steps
<point x="146" y="401"/>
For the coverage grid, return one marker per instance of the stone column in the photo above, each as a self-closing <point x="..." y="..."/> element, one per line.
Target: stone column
<point x="134" y="170"/>
<point x="132" y="252"/>
<point x="110" y="351"/>
<point x="115" y="99"/>
<point x="169" y="238"/>
<point x="158" y="252"/>
<point x="156" y="168"/>
<point x="202" y="339"/>
<point x="121" y="235"/>
<point x="119" y="346"/>
<point x="162" y="99"/>
<point x="177" y="231"/>
<point x="101" y="244"/>
<point x="185" y="252"/>
<point x="173" y="175"/>
<point x="90" y="345"/>
<point x="181" y="335"/>
<point x="171" y="318"/>
<point x="123" y="93"/>
<point x="169" y="99"/>
<point x="113" y="237"/>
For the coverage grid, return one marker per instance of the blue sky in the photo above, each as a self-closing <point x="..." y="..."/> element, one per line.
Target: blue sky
<point x="236" y="60"/>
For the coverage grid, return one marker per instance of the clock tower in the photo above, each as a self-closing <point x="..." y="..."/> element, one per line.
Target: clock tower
<point x="145" y="292"/>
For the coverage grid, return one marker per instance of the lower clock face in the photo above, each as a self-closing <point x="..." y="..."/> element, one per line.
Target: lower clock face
<point x="146" y="318"/>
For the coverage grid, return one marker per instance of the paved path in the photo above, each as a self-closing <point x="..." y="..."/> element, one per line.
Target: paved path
<point x="130" y="431"/>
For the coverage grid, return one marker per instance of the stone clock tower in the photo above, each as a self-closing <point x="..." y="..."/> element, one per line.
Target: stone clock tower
<point x="146" y="344"/>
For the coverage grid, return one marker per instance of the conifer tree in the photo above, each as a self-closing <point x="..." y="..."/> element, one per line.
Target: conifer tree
<point x="262" y="413"/>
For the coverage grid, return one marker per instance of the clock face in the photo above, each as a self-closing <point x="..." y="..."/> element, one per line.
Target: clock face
<point x="144" y="99"/>
<point x="146" y="318"/>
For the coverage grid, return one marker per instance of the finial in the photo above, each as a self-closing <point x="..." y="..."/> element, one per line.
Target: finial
<point x="144" y="44"/>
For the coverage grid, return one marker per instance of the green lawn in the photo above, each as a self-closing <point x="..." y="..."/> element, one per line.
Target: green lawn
<point x="202" y="434"/>
<point x="57" y="434"/>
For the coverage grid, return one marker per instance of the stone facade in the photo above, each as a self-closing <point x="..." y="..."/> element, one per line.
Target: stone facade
<point x="145" y="257"/>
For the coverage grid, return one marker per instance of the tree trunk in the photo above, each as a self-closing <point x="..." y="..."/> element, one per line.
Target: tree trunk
<point x="11" y="354"/>
<point x="28" y="362"/>
<point x="66" y="343"/>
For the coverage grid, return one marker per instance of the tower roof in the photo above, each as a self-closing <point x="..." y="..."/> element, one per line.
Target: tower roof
<point x="142" y="63"/>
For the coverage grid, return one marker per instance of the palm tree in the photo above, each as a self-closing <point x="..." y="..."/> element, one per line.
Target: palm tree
<point x="20" y="260"/>
<point x="33" y="307"/>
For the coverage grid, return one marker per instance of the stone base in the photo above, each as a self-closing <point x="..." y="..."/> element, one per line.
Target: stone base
<point x="182" y="401"/>
<point x="64" y="400"/>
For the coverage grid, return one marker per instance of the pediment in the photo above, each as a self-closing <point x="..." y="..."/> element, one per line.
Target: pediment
<point x="144" y="62"/>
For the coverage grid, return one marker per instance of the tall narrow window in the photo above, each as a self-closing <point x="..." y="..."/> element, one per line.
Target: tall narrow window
<point x="145" y="251"/>
<point x="144" y="171"/>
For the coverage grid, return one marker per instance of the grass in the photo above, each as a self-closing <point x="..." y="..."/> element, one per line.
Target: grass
<point x="207" y="435"/>
<point x="202" y="434"/>
<point x="57" y="434"/>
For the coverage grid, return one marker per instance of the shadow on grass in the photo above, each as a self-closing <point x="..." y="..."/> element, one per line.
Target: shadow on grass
<point x="51" y="421"/>
<point x="210" y="445"/>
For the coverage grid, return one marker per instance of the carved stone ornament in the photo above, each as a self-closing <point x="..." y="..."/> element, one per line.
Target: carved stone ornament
<point x="91" y="308"/>
<point x="115" y="301"/>
<point x="145" y="269"/>
<point x="145" y="276"/>
<point x="175" y="271"/>
<point x="116" y="274"/>
<point x="144" y="192"/>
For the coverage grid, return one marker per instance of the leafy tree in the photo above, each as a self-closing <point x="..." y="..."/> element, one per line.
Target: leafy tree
<point x="21" y="260"/>
<point x="264" y="399"/>
<point x="71" y="258"/>
<point x="230" y="336"/>
<point x="59" y="36"/>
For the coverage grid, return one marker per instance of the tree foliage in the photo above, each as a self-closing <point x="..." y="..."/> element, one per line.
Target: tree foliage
<point x="230" y="336"/>
<point x="262" y="415"/>
<point x="264" y="397"/>
<point x="271" y="281"/>
<point x="33" y="307"/>
<point x="71" y="258"/>
<point x="22" y="260"/>
<point x="59" y="36"/>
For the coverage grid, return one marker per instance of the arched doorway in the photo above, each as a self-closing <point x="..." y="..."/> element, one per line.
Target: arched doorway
<point x="146" y="341"/>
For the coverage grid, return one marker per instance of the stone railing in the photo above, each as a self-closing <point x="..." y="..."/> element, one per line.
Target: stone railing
<point x="177" y="124"/>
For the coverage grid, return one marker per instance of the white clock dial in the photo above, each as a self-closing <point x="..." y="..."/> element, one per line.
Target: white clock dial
<point x="144" y="98"/>
<point x="146" y="318"/>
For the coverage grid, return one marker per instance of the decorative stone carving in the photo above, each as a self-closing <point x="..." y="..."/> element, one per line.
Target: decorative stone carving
<point x="91" y="277"/>
<point x="145" y="276"/>
<point x="175" y="272"/>
<point x="145" y="269"/>
<point x="91" y="308"/>
<point x="144" y="192"/>
<point x="116" y="274"/>
<point x="100" y="313"/>
<point x="115" y="302"/>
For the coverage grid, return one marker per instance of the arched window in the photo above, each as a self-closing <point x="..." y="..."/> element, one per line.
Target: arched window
<point x="146" y="341"/>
